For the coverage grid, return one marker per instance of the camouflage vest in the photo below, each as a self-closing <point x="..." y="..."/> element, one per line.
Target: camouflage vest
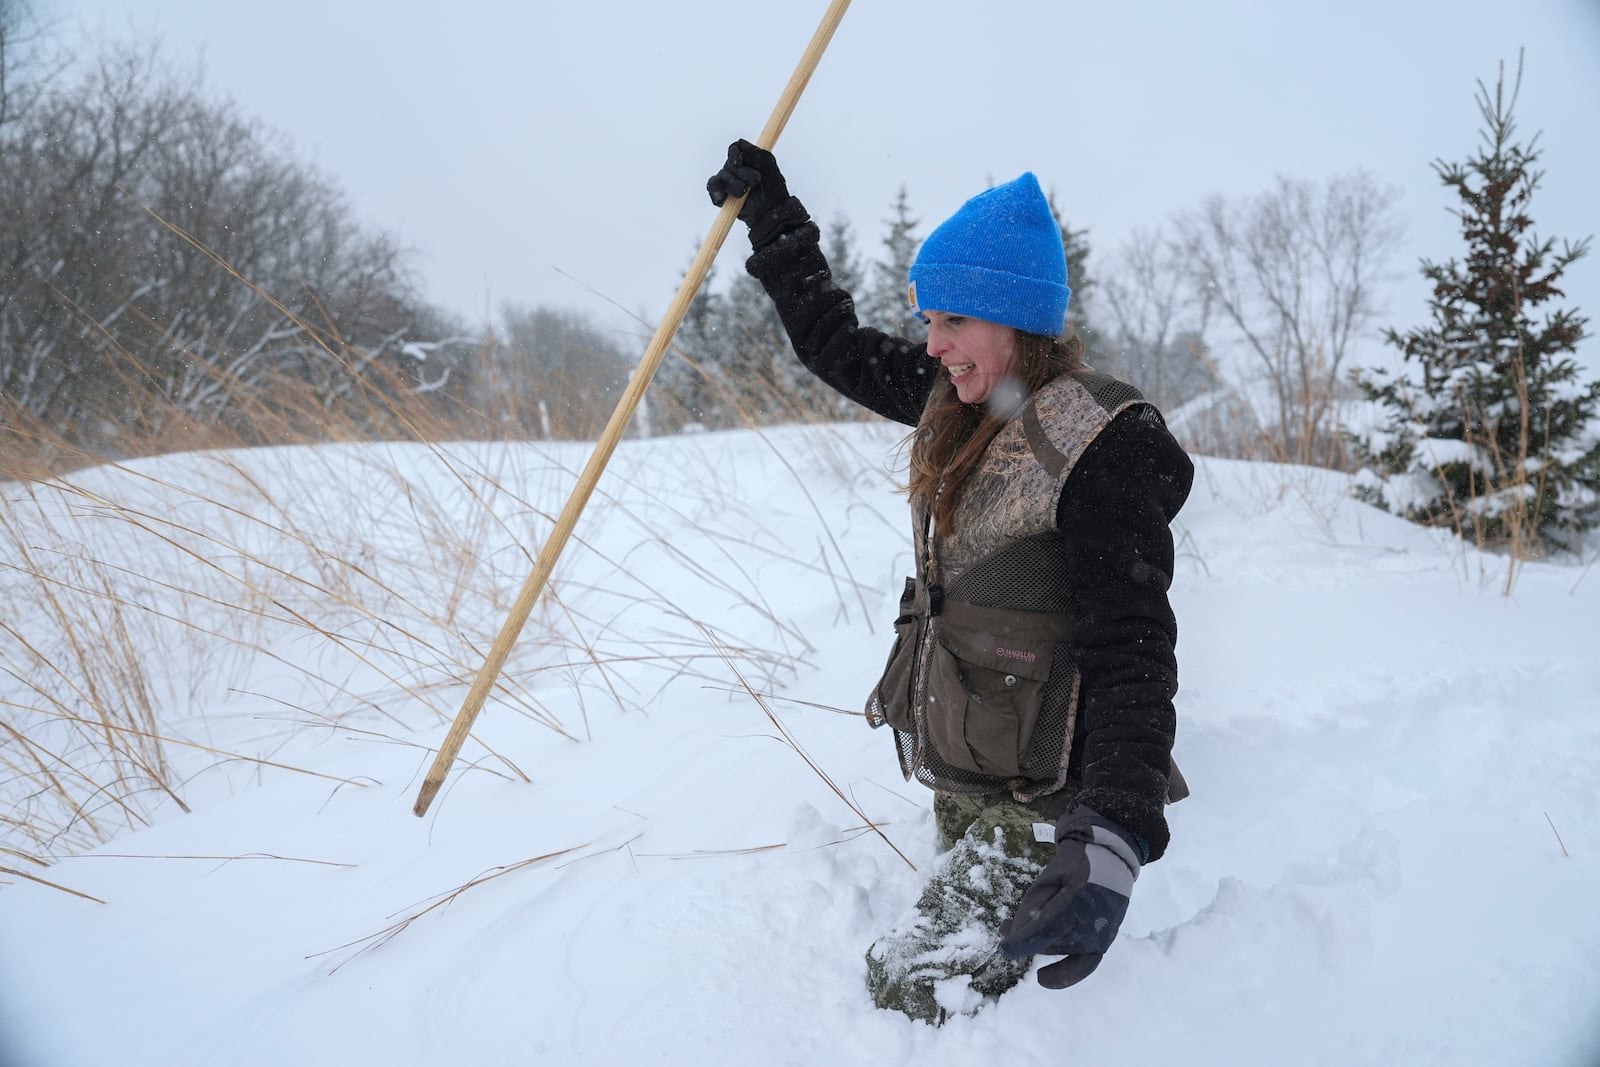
<point x="981" y="686"/>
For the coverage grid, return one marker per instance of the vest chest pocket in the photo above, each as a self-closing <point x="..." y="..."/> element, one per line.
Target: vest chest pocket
<point x="984" y="695"/>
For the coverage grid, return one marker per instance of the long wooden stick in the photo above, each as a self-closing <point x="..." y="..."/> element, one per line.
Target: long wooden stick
<point x="653" y="354"/>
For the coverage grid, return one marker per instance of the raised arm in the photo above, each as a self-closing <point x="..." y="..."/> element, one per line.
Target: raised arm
<point x="889" y="375"/>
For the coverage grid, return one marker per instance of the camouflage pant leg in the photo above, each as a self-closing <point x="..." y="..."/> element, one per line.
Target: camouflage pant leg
<point x="948" y="950"/>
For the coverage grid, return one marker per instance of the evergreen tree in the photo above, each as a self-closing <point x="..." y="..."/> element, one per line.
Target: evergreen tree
<point x="885" y="304"/>
<point x="1486" y="418"/>
<point x="759" y="369"/>
<point x="1077" y="246"/>
<point x="839" y="245"/>
<point x="686" y="383"/>
<point x="734" y="364"/>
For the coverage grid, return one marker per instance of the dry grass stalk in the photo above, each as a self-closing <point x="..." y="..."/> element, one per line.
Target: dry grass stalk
<point x="373" y="942"/>
<point x="794" y="744"/>
<point x="1553" y="830"/>
<point x="46" y="882"/>
<point x="226" y="755"/>
<point x="792" y="700"/>
<point x="754" y="850"/>
<point x="222" y="859"/>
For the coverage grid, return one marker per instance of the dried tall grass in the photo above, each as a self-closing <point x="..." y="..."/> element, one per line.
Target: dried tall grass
<point x="385" y="567"/>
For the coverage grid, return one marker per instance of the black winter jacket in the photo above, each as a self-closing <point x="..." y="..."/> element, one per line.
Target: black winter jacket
<point x="1114" y="514"/>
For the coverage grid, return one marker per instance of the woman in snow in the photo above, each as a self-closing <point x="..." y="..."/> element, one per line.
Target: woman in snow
<point x="1031" y="681"/>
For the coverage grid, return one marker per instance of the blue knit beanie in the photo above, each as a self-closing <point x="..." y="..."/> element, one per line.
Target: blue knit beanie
<point x="999" y="258"/>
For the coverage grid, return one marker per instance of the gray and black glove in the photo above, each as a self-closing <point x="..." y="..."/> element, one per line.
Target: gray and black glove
<point x="768" y="209"/>
<point x="1077" y="903"/>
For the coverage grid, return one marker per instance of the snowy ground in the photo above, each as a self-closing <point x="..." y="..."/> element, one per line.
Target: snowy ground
<point x="1391" y="854"/>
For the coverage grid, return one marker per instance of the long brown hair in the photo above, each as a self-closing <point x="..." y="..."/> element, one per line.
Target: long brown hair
<point x="952" y="436"/>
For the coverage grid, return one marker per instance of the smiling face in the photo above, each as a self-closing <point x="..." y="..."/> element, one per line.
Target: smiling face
<point x="979" y="354"/>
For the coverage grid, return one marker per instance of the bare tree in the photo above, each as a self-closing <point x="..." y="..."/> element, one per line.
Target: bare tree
<point x="1292" y="271"/>
<point x="1157" y="328"/>
<point x="65" y="230"/>
<point x="165" y="262"/>
<point x="555" y="374"/>
<point x="18" y="30"/>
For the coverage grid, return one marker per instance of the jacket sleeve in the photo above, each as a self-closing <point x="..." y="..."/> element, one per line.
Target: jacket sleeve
<point x="891" y="376"/>
<point x="1114" y="513"/>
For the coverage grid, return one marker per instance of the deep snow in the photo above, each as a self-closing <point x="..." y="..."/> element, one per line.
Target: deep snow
<point x="1383" y="750"/>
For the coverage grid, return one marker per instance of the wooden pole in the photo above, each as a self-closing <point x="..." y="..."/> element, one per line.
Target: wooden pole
<point x="653" y="354"/>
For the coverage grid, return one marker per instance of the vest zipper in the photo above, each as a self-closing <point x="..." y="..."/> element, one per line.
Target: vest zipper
<point x="934" y="595"/>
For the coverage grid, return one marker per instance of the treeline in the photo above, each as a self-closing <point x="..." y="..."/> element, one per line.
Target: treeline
<point x="171" y="276"/>
<point x="739" y="367"/>
<point x="174" y="277"/>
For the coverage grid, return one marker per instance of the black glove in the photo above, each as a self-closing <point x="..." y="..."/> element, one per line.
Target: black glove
<point x="751" y="170"/>
<point x="768" y="209"/>
<point x="1075" y="906"/>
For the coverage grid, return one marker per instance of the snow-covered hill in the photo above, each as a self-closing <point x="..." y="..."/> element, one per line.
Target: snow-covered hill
<point x="1391" y="854"/>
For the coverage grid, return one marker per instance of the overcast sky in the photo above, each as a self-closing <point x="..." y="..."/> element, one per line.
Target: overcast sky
<point x="532" y="151"/>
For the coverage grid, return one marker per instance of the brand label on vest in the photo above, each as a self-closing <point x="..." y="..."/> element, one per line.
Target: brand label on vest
<point x="1044" y="833"/>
